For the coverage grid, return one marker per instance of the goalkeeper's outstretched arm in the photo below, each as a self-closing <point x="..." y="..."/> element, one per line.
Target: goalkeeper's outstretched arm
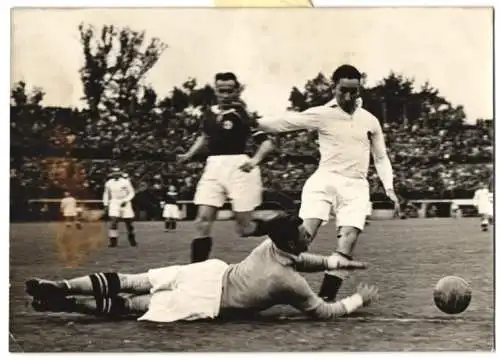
<point x="304" y="299"/>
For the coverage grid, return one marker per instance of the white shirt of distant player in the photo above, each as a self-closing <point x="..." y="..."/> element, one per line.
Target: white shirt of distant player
<point x="344" y="139"/>
<point x="69" y="206"/>
<point x="483" y="201"/>
<point x="118" y="191"/>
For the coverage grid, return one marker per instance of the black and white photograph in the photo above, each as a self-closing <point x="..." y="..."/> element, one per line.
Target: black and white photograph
<point x="252" y="179"/>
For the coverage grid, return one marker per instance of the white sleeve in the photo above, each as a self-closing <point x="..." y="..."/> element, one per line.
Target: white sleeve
<point x="380" y="157"/>
<point x="130" y="191"/>
<point x="309" y="119"/>
<point x="105" y="195"/>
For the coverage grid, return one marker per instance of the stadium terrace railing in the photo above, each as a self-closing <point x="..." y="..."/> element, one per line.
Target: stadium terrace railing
<point x="92" y="210"/>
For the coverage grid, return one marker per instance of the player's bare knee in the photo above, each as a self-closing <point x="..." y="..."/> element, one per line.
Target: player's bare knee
<point x="203" y="224"/>
<point x="135" y="283"/>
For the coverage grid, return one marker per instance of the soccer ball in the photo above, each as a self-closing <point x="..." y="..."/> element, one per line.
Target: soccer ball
<point x="452" y="295"/>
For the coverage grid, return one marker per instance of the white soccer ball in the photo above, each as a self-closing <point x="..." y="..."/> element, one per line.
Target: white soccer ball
<point x="452" y="295"/>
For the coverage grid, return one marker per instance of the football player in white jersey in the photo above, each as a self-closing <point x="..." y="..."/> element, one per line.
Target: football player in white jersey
<point x="69" y="209"/>
<point x="347" y="134"/>
<point x="483" y="201"/>
<point x="117" y="200"/>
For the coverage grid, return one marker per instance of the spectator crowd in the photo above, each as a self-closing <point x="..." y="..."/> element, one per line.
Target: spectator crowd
<point x="57" y="149"/>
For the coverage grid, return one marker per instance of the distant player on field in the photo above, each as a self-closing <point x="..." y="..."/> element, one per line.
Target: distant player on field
<point x="483" y="201"/>
<point x="229" y="173"/>
<point x="117" y="200"/>
<point x="455" y="210"/>
<point x="347" y="134"/>
<point x="170" y="208"/>
<point x="268" y="276"/>
<point x="69" y="210"/>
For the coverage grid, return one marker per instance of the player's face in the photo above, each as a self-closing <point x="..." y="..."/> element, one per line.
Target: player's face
<point x="346" y="93"/>
<point x="226" y="91"/>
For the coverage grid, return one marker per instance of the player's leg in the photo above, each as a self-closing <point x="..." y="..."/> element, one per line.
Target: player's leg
<point x="171" y="214"/>
<point x="174" y="217"/>
<point x="104" y="284"/>
<point x="209" y="197"/>
<point x="78" y="220"/>
<point x="127" y="214"/>
<point x="245" y="192"/>
<point x="247" y="225"/>
<point x="167" y="217"/>
<point x="201" y="246"/>
<point x="113" y="231"/>
<point x="97" y="306"/>
<point x="129" y="224"/>
<point x="68" y="221"/>
<point x="315" y="204"/>
<point x="484" y="222"/>
<point x="350" y="209"/>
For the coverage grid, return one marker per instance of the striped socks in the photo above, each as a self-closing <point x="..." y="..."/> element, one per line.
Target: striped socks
<point x="98" y="284"/>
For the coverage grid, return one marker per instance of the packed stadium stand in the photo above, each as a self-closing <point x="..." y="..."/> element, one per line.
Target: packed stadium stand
<point x="58" y="149"/>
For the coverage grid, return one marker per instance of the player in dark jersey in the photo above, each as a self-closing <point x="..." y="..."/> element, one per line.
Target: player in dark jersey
<point x="229" y="173"/>
<point x="170" y="208"/>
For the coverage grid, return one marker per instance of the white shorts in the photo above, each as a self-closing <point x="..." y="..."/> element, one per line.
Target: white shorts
<point x="325" y="191"/>
<point x="115" y="210"/>
<point x="223" y="180"/>
<point x="186" y="292"/>
<point x="171" y="211"/>
<point x="69" y="213"/>
<point x="486" y="209"/>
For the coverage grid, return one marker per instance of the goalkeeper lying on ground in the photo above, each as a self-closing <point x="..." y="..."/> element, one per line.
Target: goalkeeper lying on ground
<point x="268" y="276"/>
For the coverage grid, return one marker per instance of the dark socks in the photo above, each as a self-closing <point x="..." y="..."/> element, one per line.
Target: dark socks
<point x="331" y="284"/>
<point x="201" y="248"/>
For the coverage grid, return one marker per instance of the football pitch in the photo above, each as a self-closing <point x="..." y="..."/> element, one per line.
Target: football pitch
<point x="406" y="258"/>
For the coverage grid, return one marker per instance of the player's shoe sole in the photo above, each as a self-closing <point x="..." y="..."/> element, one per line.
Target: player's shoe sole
<point x="44" y="289"/>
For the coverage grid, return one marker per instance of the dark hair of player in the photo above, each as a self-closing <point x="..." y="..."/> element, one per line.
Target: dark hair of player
<point x="345" y="72"/>
<point x="284" y="232"/>
<point x="227" y="76"/>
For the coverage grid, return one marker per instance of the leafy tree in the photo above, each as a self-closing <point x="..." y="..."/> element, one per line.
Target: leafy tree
<point x="115" y="62"/>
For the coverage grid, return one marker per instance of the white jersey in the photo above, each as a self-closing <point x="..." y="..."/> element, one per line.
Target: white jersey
<point x="483" y="201"/>
<point x="117" y="191"/>
<point x="345" y="140"/>
<point x="69" y="206"/>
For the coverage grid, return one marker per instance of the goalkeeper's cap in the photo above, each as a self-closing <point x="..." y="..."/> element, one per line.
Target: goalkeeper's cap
<point x="287" y="234"/>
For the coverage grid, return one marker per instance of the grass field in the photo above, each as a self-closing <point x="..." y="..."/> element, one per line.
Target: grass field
<point x="407" y="258"/>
